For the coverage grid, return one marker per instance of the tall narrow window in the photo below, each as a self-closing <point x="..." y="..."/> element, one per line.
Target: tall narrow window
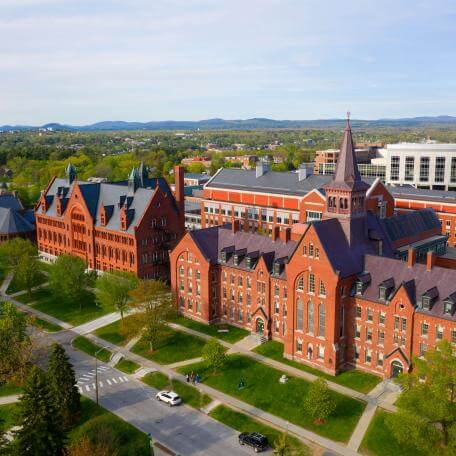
<point x="395" y="162"/>
<point x="453" y="169"/>
<point x="439" y="169"/>
<point x="310" y="317"/>
<point x="322" y="291"/>
<point x="424" y="169"/>
<point x="299" y="311"/>
<point x="321" y="320"/>
<point x="311" y="283"/>
<point x="300" y="284"/>
<point x="409" y="168"/>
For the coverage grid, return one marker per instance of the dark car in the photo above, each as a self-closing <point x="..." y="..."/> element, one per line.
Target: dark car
<point x="257" y="441"/>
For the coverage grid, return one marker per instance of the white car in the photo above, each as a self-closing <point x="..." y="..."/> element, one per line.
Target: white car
<point x="169" y="397"/>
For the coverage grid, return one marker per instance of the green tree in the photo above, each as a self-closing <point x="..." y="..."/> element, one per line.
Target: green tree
<point x="62" y="384"/>
<point x="319" y="402"/>
<point x="112" y="289"/>
<point x="27" y="273"/>
<point x="16" y="349"/>
<point x="214" y="354"/>
<point x="41" y="428"/>
<point x="68" y="279"/>
<point x="426" y="412"/>
<point x="153" y="302"/>
<point x="282" y="445"/>
<point x="3" y="441"/>
<point x="13" y="250"/>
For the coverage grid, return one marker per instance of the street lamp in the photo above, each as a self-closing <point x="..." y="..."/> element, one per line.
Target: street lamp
<point x="96" y="371"/>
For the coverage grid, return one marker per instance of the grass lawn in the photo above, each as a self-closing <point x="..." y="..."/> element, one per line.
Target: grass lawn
<point x="127" y="366"/>
<point x="14" y="286"/>
<point x="263" y="390"/>
<point x="130" y="441"/>
<point x="378" y="440"/>
<point x="87" y="346"/>
<point x="233" y="335"/>
<point x="354" y="379"/>
<point x="175" y="346"/>
<point x="243" y="423"/>
<point x="46" y="325"/>
<point x="67" y="311"/>
<point x="8" y="416"/>
<point x="112" y="332"/>
<point x="189" y="394"/>
<point x="7" y="389"/>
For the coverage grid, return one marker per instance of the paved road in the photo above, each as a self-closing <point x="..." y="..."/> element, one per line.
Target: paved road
<point x="182" y="429"/>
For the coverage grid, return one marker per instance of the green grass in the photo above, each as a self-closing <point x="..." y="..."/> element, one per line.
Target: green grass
<point x="130" y="441"/>
<point x="87" y="346"/>
<point x="8" y="389"/>
<point x="112" y="332"/>
<point x="46" y="325"/>
<point x="175" y="346"/>
<point x="379" y="441"/>
<point x="14" y="286"/>
<point x="8" y="416"/>
<point x="67" y="311"/>
<point x="243" y="423"/>
<point x="233" y="335"/>
<point x="354" y="379"/>
<point x="189" y="394"/>
<point x="127" y="366"/>
<point x="263" y="390"/>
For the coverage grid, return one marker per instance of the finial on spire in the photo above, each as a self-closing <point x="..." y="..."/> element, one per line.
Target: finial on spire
<point x="347" y="126"/>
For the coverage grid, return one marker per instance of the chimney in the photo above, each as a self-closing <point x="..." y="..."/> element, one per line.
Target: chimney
<point x="235" y="226"/>
<point x="179" y="191"/>
<point x="275" y="233"/>
<point x="285" y="234"/>
<point x="411" y="257"/>
<point x="262" y="167"/>
<point x="303" y="172"/>
<point x="430" y="260"/>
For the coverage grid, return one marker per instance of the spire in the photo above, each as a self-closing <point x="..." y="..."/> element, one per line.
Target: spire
<point x="70" y="173"/>
<point x="143" y="174"/>
<point x="134" y="181"/>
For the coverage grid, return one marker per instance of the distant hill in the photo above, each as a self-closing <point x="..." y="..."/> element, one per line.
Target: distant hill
<point x="240" y="124"/>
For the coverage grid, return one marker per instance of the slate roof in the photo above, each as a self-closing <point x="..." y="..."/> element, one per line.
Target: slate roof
<point x="410" y="192"/>
<point x="108" y="194"/>
<point x="9" y="201"/>
<point x="416" y="279"/>
<point x="211" y="241"/>
<point x="12" y="222"/>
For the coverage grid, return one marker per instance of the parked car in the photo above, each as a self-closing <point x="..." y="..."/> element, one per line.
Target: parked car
<point x="169" y="397"/>
<point x="257" y="441"/>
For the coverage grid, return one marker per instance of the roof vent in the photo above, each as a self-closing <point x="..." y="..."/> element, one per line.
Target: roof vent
<point x="262" y="167"/>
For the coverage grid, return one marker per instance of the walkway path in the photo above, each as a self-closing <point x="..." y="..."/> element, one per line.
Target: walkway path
<point x="9" y="399"/>
<point x="6" y="283"/>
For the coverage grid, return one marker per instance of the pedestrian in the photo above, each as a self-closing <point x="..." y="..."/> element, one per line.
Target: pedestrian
<point x="198" y="378"/>
<point x="187" y="376"/>
<point x="192" y="377"/>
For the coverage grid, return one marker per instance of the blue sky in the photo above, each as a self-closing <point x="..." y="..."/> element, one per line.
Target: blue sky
<point x="83" y="61"/>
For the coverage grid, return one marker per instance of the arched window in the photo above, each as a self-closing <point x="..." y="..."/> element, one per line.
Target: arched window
<point x="322" y="290"/>
<point x="321" y="320"/>
<point x="300" y="284"/>
<point x="299" y="314"/>
<point x="310" y="317"/>
<point x="341" y="203"/>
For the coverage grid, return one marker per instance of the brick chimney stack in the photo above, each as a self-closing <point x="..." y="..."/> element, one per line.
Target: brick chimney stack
<point x="235" y="226"/>
<point x="285" y="234"/>
<point x="275" y="233"/>
<point x="430" y="260"/>
<point x="179" y="192"/>
<point x="411" y="258"/>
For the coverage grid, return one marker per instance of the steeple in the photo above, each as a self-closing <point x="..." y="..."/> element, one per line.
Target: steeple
<point x="134" y="181"/>
<point x="70" y="173"/>
<point x="143" y="174"/>
<point x="345" y="193"/>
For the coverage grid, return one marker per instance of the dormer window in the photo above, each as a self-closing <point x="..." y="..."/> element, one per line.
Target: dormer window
<point x="385" y="289"/>
<point x="277" y="268"/>
<point x="223" y="256"/>
<point x="236" y="259"/>
<point x="428" y="298"/>
<point x="448" y="306"/>
<point x="426" y="302"/>
<point x="382" y="293"/>
<point x="359" y="287"/>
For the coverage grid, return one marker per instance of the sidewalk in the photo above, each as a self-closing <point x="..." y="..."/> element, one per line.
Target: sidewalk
<point x="304" y="434"/>
<point x="9" y="399"/>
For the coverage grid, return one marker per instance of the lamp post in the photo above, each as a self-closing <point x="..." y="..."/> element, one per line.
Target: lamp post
<point x="96" y="371"/>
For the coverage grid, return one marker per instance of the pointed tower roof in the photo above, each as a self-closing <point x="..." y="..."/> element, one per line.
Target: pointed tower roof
<point x="70" y="173"/>
<point x="346" y="175"/>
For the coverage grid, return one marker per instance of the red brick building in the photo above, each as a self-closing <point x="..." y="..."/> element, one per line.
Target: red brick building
<point x="337" y="292"/>
<point x="128" y="226"/>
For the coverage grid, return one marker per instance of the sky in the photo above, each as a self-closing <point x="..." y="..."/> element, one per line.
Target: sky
<point x="83" y="61"/>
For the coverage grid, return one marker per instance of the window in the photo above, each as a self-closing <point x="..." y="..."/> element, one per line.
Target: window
<point x="439" y="169"/>
<point x="404" y="324"/>
<point x="240" y="281"/>
<point x="249" y="282"/>
<point x="300" y="284"/>
<point x="276" y="290"/>
<point x="304" y="250"/>
<point x="322" y="290"/>
<point x="423" y="348"/>
<point x="370" y="315"/>
<point x="313" y="216"/>
<point x="321" y="320"/>
<point x="317" y="253"/>
<point x="379" y="359"/>
<point x="381" y="337"/>
<point x="357" y="331"/>
<point x="409" y="168"/>
<point x="198" y="274"/>
<point x="311" y="283"/>
<point x="424" y="329"/>
<point x="358" y="311"/>
<point x="310" y="317"/>
<point x="356" y="352"/>
<point x="453" y="169"/>
<point x="395" y="161"/>
<point x="311" y="249"/>
<point x="424" y="169"/>
<point x="277" y="307"/>
<point x="181" y="271"/>
<point x="299" y="345"/>
<point x="368" y="356"/>
<point x="453" y="336"/>
<point x="299" y="315"/>
<point x="439" y="333"/>
<point x="321" y="352"/>
<point x="381" y="318"/>
<point x="396" y="322"/>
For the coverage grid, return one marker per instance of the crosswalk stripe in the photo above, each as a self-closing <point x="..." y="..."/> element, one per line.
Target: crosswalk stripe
<point x="80" y="389"/>
<point x="87" y="388"/>
<point x="126" y="379"/>
<point x="109" y="383"/>
<point x="114" y="380"/>
<point x="103" y="367"/>
<point x="121" y="379"/>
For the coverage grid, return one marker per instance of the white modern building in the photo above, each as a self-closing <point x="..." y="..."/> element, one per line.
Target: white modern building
<point x="423" y="165"/>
